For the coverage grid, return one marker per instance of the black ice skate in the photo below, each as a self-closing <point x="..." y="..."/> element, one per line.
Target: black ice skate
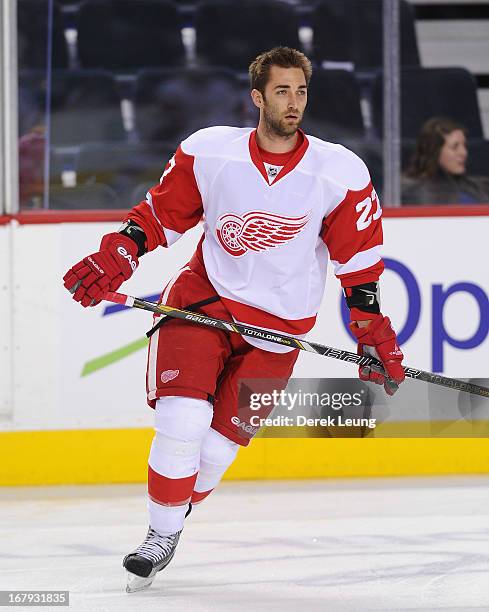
<point x="153" y="555"/>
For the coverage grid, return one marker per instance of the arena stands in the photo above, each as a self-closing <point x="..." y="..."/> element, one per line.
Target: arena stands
<point x="123" y="81"/>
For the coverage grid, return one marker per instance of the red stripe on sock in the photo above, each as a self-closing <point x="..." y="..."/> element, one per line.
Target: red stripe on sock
<point x="182" y="502"/>
<point x="170" y="491"/>
<point x="198" y="496"/>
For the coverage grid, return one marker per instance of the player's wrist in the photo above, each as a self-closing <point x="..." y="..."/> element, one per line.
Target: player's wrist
<point x="135" y="233"/>
<point x="113" y="241"/>
<point x="363" y="301"/>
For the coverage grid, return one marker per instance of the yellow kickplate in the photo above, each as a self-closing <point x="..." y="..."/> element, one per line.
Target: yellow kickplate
<point x="120" y="456"/>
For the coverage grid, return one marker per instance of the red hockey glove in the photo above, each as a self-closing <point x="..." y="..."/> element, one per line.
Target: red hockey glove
<point x="104" y="271"/>
<point x="378" y="339"/>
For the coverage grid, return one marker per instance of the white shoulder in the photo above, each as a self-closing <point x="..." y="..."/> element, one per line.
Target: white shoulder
<point x="338" y="164"/>
<point x="211" y="140"/>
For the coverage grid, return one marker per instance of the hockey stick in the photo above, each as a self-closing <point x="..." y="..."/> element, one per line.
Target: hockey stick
<point x="285" y="340"/>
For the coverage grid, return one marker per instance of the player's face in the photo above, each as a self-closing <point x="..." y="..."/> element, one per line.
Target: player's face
<point x="284" y="101"/>
<point x="453" y="154"/>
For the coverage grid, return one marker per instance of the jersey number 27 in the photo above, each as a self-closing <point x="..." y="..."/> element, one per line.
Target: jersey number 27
<point x="365" y="208"/>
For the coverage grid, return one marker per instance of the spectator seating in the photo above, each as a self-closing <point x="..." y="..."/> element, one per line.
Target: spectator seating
<point x="122" y="166"/>
<point x="171" y="104"/>
<point x="33" y="29"/>
<point x="232" y="34"/>
<point x="32" y="106"/>
<point x="333" y="110"/>
<point x="350" y="31"/>
<point x="85" y="105"/>
<point x="125" y="35"/>
<point x="139" y="192"/>
<point x="84" y="197"/>
<point x="408" y="146"/>
<point x="371" y="153"/>
<point x="478" y="162"/>
<point x="427" y="92"/>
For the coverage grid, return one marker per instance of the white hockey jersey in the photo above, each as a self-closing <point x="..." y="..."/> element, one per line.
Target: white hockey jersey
<point x="267" y="239"/>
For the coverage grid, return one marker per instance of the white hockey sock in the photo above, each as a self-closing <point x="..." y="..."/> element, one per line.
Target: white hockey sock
<point x="216" y="455"/>
<point x="181" y="424"/>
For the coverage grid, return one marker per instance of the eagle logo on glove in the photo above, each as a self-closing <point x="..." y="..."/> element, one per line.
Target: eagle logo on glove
<point x="257" y="231"/>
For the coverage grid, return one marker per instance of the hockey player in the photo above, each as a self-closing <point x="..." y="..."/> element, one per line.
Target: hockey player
<point x="276" y="204"/>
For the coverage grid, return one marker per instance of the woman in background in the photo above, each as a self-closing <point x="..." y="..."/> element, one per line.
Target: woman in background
<point x="437" y="173"/>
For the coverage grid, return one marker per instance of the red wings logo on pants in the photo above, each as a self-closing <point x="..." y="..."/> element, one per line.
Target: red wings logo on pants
<point x="257" y="231"/>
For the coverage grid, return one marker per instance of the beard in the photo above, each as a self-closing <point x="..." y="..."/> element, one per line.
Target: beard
<point x="279" y="127"/>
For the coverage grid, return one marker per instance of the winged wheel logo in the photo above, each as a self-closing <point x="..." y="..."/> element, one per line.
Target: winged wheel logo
<point x="257" y="231"/>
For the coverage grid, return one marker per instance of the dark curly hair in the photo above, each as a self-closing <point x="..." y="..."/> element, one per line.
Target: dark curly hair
<point x="431" y="138"/>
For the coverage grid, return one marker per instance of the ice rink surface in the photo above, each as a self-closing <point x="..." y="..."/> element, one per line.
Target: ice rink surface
<point x="330" y="545"/>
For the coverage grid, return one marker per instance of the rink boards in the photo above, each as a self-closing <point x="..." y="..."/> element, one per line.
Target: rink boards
<point x="72" y="401"/>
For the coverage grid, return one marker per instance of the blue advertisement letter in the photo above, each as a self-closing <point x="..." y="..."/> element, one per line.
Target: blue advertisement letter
<point x="414" y="306"/>
<point x="440" y="334"/>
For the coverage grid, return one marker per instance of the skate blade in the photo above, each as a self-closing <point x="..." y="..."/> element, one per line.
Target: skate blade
<point x="137" y="583"/>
